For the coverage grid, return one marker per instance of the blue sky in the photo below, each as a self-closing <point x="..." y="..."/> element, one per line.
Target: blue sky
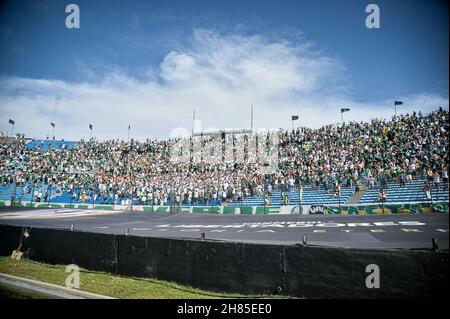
<point x="163" y="58"/>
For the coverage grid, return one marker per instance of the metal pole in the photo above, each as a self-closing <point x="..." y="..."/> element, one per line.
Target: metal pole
<point x="299" y="193"/>
<point x="32" y="195"/>
<point x="431" y="195"/>
<point x="12" y="129"/>
<point x="339" y="196"/>
<point x="242" y="197"/>
<point x="193" y="123"/>
<point x="49" y="196"/>
<point x="251" y="118"/>
<point x="13" y="197"/>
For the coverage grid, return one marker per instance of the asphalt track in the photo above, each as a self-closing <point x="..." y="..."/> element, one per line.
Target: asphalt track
<point x="402" y="231"/>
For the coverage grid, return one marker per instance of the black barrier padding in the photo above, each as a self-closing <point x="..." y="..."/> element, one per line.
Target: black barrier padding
<point x="318" y="273"/>
<point x="216" y="266"/>
<point x="9" y="239"/>
<point x="314" y="272"/>
<point x="400" y="274"/>
<point x="435" y="273"/>
<point x="262" y="266"/>
<point x="88" y="250"/>
<point x="153" y="257"/>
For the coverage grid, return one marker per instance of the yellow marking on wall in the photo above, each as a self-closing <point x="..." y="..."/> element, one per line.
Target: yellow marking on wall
<point x="380" y="211"/>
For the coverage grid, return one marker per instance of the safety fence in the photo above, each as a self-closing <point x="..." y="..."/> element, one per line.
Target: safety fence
<point x="370" y="209"/>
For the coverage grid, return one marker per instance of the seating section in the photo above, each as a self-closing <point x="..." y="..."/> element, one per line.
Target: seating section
<point x="45" y="145"/>
<point x="411" y="192"/>
<point x="6" y="193"/>
<point x="309" y="197"/>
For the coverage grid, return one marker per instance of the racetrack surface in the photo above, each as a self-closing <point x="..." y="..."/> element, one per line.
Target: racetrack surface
<point x="402" y="231"/>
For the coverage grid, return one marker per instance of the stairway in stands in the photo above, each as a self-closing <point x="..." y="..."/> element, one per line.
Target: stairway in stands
<point x="354" y="199"/>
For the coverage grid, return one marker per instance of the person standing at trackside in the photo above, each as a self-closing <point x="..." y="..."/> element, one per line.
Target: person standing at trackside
<point x="286" y="200"/>
<point x="402" y="180"/>
<point x="267" y="200"/>
<point x="427" y="191"/>
<point x="337" y="190"/>
<point x="430" y="175"/>
<point x="436" y="180"/>
<point x="445" y="177"/>
<point x="383" y="196"/>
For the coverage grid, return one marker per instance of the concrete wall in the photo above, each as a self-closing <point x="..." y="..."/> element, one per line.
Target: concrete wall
<point x="315" y="272"/>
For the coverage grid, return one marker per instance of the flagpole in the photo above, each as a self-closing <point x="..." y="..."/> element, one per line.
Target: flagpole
<point x="193" y="123"/>
<point x="251" y="118"/>
<point x="12" y="129"/>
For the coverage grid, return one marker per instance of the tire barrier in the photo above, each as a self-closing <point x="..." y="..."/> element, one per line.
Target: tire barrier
<point x="296" y="270"/>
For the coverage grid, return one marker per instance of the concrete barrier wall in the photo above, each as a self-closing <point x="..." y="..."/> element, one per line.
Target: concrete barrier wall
<point x="314" y="272"/>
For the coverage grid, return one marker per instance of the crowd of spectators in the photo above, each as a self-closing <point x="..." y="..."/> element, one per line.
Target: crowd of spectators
<point x="333" y="156"/>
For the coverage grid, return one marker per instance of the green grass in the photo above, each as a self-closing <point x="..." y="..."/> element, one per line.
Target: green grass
<point x="109" y="285"/>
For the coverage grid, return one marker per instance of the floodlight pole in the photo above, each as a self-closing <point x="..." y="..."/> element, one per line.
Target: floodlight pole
<point x="251" y="118"/>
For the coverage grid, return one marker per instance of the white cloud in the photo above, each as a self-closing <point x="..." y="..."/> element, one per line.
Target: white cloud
<point x="219" y="75"/>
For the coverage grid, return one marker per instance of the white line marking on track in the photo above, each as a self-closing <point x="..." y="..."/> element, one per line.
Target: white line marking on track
<point x="377" y="231"/>
<point x="442" y="230"/>
<point x="413" y="230"/>
<point x="319" y="231"/>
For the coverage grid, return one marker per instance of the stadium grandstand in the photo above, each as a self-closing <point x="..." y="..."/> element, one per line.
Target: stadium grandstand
<point x="404" y="159"/>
